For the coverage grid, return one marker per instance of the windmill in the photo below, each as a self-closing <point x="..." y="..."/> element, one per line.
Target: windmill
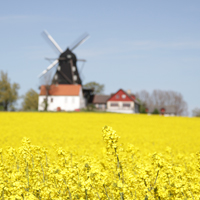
<point x="67" y="71"/>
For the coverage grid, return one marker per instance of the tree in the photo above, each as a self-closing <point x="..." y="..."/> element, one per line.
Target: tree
<point x="47" y="82"/>
<point x="163" y="99"/>
<point x="30" y="100"/>
<point x="142" y="108"/>
<point x="196" y="112"/>
<point x="155" y="112"/>
<point x="1" y="106"/>
<point x="8" y="91"/>
<point x="98" y="88"/>
<point x="180" y="105"/>
<point x="143" y="97"/>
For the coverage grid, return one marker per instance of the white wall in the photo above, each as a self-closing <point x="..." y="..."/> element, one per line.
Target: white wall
<point x="100" y="106"/>
<point x="120" y="107"/>
<point x="66" y="103"/>
<point x="120" y="103"/>
<point x="82" y="100"/>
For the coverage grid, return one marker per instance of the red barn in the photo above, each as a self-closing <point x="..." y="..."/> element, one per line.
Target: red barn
<point x="122" y="102"/>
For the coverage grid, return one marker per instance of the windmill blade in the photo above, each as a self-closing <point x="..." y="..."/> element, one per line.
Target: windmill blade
<point x="48" y="68"/>
<point x="81" y="40"/>
<point x="82" y="60"/>
<point x="46" y="34"/>
<point x="49" y="58"/>
<point x="61" y="58"/>
<point x="81" y="71"/>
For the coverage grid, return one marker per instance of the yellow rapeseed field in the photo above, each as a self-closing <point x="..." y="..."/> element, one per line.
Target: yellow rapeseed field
<point x="103" y="156"/>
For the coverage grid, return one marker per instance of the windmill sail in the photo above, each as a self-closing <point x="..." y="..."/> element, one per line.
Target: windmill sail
<point x="80" y="41"/>
<point x="67" y="71"/>
<point x="48" y="68"/>
<point x="55" y="44"/>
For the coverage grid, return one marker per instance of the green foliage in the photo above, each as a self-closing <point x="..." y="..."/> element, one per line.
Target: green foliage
<point x="45" y="104"/>
<point x="30" y="100"/>
<point x="8" y="92"/>
<point x="98" y="88"/>
<point x="91" y="107"/>
<point x="142" y="108"/>
<point x="155" y="112"/>
<point x="1" y="107"/>
<point x="196" y="112"/>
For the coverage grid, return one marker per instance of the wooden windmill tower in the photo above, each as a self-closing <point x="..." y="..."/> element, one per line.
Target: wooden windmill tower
<point x="67" y="71"/>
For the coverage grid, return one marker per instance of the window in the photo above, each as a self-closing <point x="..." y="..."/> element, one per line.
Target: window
<point x="75" y="78"/>
<point x="126" y="105"/>
<point x="117" y="96"/>
<point x="114" y="104"/>
<point x="73" y="68"/>
<point x="51" y="100"/>
<point x="123" y="96"/>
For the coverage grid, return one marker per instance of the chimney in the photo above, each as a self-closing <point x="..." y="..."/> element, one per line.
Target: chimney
<point x="128" y="92"/>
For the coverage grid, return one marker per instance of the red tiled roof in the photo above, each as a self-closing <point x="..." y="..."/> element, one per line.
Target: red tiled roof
<point x="61" y="90"/>
<point x="118" y="96"/>
<point x="132" y="96"/>
<point x="129" y="97"/>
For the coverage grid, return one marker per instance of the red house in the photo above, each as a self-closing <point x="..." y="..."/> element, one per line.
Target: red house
<point x="122" y="102"/>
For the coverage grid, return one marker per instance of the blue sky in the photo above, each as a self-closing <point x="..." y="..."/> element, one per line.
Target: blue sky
<point x="133" y="45"/>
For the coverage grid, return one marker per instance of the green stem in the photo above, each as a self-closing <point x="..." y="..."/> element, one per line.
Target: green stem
<point x="96" y="192"/>
<point x="46" y="160"/>
<point x="55" y="181"/>
<point x="3" y="194"/>
<point x="156" y="177"/>
<point x="42" y="172"/>
<point x="27" y="174"/>
<point x="32" y="161"/>
<point x="69" y="194"/>
<point x="106" y="191"/>
<point x="71" y="160"/>
<point x="192" y="195"/>
<point x="154" y="181"/>
<point x="86" y="195"/>
<point x="121" y="195"/>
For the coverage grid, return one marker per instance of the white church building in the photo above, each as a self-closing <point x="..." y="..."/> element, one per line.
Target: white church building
<point x="62" y="97"/>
